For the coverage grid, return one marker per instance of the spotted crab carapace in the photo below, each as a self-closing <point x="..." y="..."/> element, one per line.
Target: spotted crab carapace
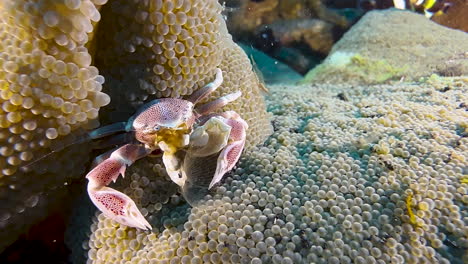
<point x="178" y="128"/>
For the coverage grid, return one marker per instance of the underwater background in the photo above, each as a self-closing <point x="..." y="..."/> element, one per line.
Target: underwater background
<point x="356" y="151"/>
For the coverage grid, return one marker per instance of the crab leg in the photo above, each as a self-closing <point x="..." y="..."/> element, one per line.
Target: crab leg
<point x="217" y="104"/>
<point x="114" y="204"/>
<point x="118" y="140"/>
<point x="203" y="92"/>
<point x="231" y="153"/>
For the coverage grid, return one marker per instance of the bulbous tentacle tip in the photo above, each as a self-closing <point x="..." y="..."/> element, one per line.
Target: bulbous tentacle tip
<point x="118" y="207"/>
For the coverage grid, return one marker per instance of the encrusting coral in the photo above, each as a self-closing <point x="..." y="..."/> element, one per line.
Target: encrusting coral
<point x="372" y="174"/>
<point x="50" y="84"/>
<point x="316" y="33"/>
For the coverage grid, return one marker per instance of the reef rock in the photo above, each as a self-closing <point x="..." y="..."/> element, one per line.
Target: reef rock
<point x="317" y="34"/>
<point x="392" y="45"/>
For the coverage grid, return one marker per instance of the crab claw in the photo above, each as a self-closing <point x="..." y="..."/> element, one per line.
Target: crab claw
<point x="118" y="207"/>
<point x="114" y="204"/>
<point x="210" y="138"/>
<point x="231" y="153"/>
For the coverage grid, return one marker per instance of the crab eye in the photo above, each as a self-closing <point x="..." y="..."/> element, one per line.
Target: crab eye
<point x="156" y="128"/>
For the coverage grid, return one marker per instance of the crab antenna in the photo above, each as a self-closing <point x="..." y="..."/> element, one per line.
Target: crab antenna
<point x="107" y="130"/>
<point x="116" y="140"/>
<point x="95" y="134"/>
<point x="203" y="92"/>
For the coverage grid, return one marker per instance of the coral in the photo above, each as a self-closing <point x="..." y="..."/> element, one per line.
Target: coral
<point x="335" y="183"/>
<point x="252" y="14"/>
<point x="390" y="45"/>
<point x="456" y="65"/>
<point x="296" y="32"/>
<point x="324" y="13"/>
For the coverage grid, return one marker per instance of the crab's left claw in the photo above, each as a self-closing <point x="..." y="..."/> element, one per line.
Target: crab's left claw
<point x="112" y="203"/>
<point x="118" y="207"/>
<point x="232" y="151"/>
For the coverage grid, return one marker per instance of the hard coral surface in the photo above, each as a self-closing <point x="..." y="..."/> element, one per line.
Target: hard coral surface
<point x="362" y="175"/>
<point x="315" y="33"/>
<point x="390" y="45"/>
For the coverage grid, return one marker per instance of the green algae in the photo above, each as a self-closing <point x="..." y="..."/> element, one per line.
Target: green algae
<point x="355" y="68"/>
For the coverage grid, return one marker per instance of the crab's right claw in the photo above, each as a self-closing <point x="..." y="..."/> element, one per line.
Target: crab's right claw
<point x="231" y="153"/>
<point x="118" y="207"/>
<point x="209" y="138"/>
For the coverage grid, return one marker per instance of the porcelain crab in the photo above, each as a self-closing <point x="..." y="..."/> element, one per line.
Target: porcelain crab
<point x="179" y="128"/>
